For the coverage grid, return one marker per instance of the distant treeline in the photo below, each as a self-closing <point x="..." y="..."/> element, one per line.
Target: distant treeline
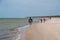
<point x="42" y="16"/>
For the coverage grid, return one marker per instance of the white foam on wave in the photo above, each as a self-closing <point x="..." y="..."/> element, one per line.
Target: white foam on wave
<point x="21" y="34"/>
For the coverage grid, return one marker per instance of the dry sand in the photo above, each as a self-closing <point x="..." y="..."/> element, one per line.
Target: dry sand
<point x="50" y="30"/>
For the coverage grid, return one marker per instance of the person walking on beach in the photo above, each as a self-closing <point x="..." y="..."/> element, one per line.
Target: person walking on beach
<point x="30" y="20"/>
<point x="50" y="17"/>
<point x="41" y="20"/>
<point x="44" y="19"/>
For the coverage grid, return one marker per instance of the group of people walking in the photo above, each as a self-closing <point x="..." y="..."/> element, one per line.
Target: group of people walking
<point x="30" y="20"/>
<point x="42" y="20"/>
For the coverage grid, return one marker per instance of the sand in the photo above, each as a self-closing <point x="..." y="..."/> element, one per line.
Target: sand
<point x="50" y="30"/>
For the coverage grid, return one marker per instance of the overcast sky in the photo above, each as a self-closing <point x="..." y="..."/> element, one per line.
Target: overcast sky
<point x="23" y="8"/>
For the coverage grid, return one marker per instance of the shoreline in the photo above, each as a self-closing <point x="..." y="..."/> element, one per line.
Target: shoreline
<point x="20" y="33"/>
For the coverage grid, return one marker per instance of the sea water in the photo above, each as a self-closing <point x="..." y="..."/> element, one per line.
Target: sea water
<point x="6" y="24"/>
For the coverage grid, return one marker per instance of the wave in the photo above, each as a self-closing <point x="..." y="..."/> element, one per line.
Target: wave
<point x="21" y="34"/>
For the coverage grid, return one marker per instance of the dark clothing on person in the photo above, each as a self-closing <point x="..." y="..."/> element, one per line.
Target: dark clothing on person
<point x="30" y="21"/>
<point x="44" y="19"/>
<point x="41" y="20"/>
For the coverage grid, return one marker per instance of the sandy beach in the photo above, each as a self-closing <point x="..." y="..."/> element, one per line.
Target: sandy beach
<point x="49" y="30"/>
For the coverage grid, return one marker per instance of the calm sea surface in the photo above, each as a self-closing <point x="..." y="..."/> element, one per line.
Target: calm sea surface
<point x="6" y="24"/>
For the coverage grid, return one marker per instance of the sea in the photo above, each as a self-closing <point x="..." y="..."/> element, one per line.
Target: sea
<point x="8" y="26"/>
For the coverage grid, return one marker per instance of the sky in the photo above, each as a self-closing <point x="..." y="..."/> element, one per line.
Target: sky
<point x="25" y="8"/>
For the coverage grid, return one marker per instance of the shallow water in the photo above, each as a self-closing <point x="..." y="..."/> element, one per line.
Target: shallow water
<point x="7" y="26"/>
<point x="23" y="29"/>
<point x="6" y="35"/>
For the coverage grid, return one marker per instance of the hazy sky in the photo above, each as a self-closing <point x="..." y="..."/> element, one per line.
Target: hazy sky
<point x="23" y="8"/>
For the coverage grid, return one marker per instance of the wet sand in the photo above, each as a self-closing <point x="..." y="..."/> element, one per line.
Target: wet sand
<point x="50" y="30"/>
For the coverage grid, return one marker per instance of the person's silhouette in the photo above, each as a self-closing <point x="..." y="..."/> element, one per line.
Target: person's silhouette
<point x="30" y="20"/>
<point x="44" y="19"/>
<point x="41" y="20"/>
